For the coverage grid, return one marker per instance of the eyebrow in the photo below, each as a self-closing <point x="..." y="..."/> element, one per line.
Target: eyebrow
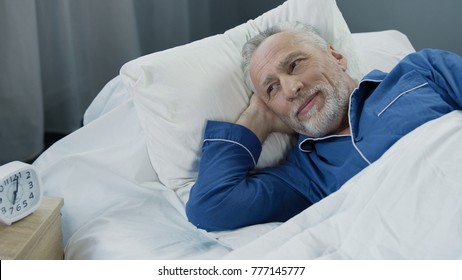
<point x="289" y="58"/>
<point x="283" y="65"/>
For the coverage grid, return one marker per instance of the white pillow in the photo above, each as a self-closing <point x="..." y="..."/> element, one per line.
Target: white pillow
<point x="383" y="49"/>
<point x="176" y="91"/>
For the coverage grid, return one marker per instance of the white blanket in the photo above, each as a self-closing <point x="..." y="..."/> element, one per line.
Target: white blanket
<point x="407" y="205"/>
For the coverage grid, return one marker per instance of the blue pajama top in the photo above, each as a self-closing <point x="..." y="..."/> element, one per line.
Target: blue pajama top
<point x="383" y="108"/>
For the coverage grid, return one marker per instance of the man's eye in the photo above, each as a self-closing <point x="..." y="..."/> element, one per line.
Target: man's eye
<point x="294" y="64"/>
<point x="271" y="89"/>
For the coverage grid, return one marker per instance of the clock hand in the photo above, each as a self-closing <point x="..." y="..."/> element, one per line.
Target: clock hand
<point x="15" y="193"/>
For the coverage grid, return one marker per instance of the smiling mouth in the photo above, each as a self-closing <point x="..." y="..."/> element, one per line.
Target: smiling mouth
<point x="307" y="105"/>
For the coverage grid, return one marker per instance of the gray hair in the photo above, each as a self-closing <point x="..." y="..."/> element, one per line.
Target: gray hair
<point x="305" y="33"/>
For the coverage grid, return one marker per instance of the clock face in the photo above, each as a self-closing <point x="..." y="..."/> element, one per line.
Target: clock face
<point x="19" y="193"/>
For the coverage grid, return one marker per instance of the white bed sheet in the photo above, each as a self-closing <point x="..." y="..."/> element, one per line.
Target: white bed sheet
<point x="115" y="208"/>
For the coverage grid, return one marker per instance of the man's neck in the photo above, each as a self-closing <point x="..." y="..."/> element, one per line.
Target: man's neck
<point x="345" y="131"/>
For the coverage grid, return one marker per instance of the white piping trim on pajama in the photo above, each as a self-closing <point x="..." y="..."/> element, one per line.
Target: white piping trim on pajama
<point x="237" y="143"/>
<point x="397" y="97"/>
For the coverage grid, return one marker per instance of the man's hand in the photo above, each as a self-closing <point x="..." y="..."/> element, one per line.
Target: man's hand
<point x="261" y="120"/>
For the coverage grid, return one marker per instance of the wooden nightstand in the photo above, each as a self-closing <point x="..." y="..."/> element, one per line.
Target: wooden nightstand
<point x="38" y="236"/>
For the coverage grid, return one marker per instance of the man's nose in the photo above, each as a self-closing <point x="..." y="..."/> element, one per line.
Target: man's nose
<point x="291" y="87"/>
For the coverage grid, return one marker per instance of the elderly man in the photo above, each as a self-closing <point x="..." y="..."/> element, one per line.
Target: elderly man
<point x="301" y="85"/>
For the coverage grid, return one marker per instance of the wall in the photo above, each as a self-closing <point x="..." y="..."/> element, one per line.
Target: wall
<point x="427" y="23"/>
<point x="223" y="15"/>
<point x="178" y="22"/>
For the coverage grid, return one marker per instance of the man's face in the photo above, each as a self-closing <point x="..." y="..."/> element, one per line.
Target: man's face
<point x="305" y="86"/>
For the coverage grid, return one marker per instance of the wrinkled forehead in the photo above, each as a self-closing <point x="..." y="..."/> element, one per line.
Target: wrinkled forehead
<point x="271" y="49"/>
<point x="273" y="45"/>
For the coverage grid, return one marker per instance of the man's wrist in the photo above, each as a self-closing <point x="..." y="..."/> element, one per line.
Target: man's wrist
<point x="257" y="122"/>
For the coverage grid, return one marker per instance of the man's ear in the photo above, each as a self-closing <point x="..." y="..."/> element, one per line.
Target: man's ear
<point x="341" y="60"/>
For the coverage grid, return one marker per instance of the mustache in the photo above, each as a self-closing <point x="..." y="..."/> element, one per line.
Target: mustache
<point x="306" y="96"/>
<point x="303" y="95"/>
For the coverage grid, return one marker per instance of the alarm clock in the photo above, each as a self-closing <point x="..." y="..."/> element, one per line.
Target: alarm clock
<point x="20" y="191"/>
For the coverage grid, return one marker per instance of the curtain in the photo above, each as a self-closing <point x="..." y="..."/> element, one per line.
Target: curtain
<point x="56" y="55"/>
<point x="21" y="104"/>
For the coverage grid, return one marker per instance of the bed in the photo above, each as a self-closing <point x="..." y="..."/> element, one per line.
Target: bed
<point x="126" y="174"/>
